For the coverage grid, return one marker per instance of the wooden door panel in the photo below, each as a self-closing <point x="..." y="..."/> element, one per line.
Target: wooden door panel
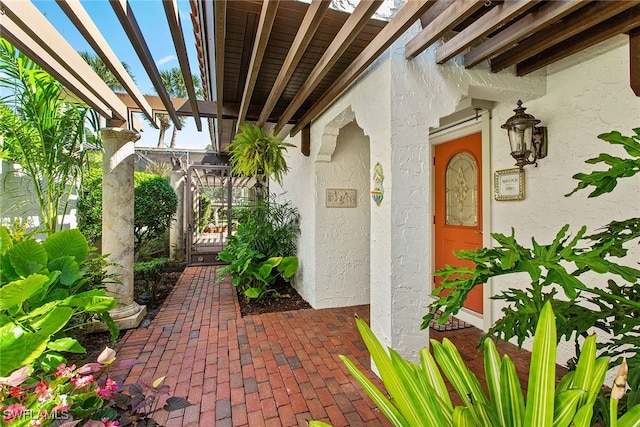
<point x="458" y="226"/>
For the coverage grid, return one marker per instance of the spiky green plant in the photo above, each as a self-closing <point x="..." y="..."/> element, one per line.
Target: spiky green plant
<point x="255" y="150"/>
<point x="419" y="395"/>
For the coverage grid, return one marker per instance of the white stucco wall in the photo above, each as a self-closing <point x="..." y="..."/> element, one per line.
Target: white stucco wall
<point x="587" y="94"/>
<point x="397" y="102"/>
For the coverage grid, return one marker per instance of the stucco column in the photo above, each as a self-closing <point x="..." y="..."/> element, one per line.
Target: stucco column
<point x="117" y="222"/>
<point x="176" y="233"/>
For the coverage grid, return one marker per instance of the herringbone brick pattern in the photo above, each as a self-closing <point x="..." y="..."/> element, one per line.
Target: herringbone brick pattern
<point x="278" y="369"/>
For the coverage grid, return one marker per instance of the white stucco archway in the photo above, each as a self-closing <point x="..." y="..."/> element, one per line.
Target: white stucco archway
<point x="342" y="217"/>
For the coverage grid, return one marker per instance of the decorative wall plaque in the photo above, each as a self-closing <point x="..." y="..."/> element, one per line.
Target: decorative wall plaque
<point x="340" y="198"/>
<point x="509" y="184"/>
<point x="377" y="194"/>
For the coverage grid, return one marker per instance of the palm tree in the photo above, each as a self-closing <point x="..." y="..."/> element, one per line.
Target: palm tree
<point x="174" y="82"/>
<point x="98" y="65"/>
<point x="43" y="132"/>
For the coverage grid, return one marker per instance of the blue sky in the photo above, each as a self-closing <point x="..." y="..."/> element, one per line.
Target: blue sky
<point x="153" y="24"/>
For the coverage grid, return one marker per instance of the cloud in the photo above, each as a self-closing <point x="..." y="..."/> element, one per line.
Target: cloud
<point x="166" y="59"/>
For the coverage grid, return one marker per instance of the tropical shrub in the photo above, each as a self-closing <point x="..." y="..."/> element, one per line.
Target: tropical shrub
<point x="556" y="272"/>
<point x="147" y="274"/>
<point x="44" y="288"/>
<point x="263" y="248"/>
<point x="155" y="205"/>
<point x="419" y="396"/>
<point x="204" y="211"/>
<point x="89" y="204"/>
<point x="43" y="132"/>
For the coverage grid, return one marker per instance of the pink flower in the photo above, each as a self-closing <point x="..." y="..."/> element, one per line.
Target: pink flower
<point x="61" y="408"/>
<point x="64" y="371"/>
<point x="80" y="381"/>
<point x="44" y="391"/>
<point x="13" y="411"/>
<point x="15" y="391"/>
<point x="108" y="423"/>
<point x="109" y="389"/>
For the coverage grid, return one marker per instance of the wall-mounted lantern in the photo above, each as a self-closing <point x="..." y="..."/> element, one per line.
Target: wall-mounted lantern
<point x="528" y="142"/>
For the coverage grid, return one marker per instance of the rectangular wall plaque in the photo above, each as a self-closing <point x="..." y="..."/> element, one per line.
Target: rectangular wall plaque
<point x="509" y="184"/>
<point x="340" y="198"/>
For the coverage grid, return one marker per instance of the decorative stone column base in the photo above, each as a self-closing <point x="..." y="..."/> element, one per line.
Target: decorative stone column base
<point x="128" y="317"/>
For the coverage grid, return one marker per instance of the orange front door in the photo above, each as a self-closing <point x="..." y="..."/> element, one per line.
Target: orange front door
<point x="458" y="205"/>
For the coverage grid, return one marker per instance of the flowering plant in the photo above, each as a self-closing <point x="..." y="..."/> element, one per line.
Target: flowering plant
<point x="69" y="396"/>
<point x="66" y="396"/>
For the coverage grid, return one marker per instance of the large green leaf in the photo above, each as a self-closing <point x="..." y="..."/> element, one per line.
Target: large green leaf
<point x="540" y="391"/>
<point x="566" y="404"/>
<point x="511" y="404"/>
<point x="67" y="243"/>
<point x="631" y="418"/>
<point x="67" y="344"/>
<point x="288" y="266"/>
<point x="93" y="301"/>
<point x="19" y="348"/>
<point x="68" y="267"/>
<point x="27" y="257"/>
<point x="434" y="378"/>
<point x="15" y="293"/>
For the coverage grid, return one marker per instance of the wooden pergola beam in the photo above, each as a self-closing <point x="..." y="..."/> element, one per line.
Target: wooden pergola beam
<point x="308" y="27"/>
<point x="409" y="13"/>
<point x="130" y="25"/>
<point x="48" y="42"/>
<point x="173" y="18"/>
<point x="457" y="12"/>
<point x="349" y="31"/>
<point x="34" y="50"/>
<point x="619" y="24"/>
<point x="483" y="26"/>
<point x="267" y="17"/>
<point x="548" y="14"/>
<point x="583" y="19"/>
<point x="220" y="14"/>
<point x="85" y="25"/>
<point x="634" y="60"/>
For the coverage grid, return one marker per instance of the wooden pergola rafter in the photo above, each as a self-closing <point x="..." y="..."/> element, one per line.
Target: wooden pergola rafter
<point x="282" y="64"/>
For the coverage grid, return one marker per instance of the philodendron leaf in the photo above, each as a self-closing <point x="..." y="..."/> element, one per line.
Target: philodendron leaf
<point x="67" y="242"/>
<point x="19" y="348"/>
<point x="540" y="392"/>
<point x="15" y="293"/>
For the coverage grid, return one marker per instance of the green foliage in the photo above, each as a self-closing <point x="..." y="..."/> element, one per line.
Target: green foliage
<point x="43" y="287"/>
<point x="262" y="248"/>
<point x="43" y="132"/>
<point x="419" y="395"/>
<point x="606" y="181"/>
<point x="255" y="151"/>
<point x="556" y="272"/>
<point x="148" y="274"/>
<point x="89" y="204"/>
<point x="204" y="211"/>
<point x="155" y="205"/>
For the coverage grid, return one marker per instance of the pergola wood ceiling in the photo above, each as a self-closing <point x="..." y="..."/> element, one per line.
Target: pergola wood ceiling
<point x="282" y="63"/>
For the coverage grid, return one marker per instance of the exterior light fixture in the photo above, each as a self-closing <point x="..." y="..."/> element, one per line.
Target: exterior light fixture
<point x="528" y="142"/>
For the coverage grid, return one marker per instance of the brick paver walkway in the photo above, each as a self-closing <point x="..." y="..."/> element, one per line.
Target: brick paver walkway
<point x="277" y="369"/>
